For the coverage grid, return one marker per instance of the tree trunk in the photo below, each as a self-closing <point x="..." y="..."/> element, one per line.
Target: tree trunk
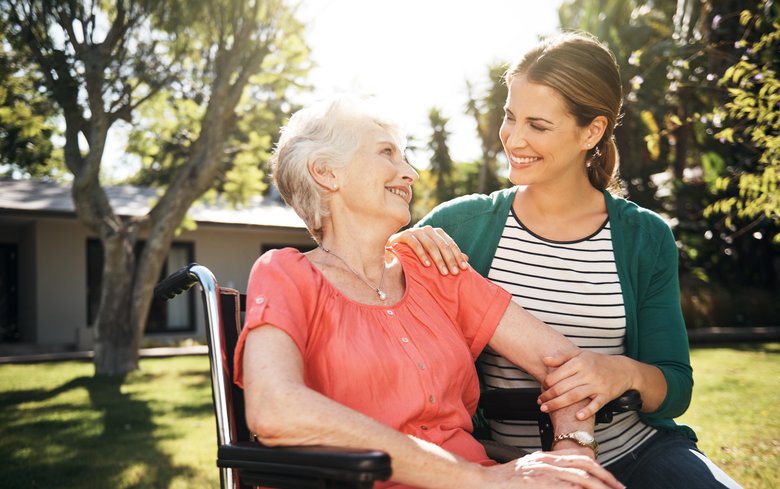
<point x="116" y="340"/>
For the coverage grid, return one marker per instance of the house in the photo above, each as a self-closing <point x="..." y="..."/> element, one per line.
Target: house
<point x="50" y="263"/>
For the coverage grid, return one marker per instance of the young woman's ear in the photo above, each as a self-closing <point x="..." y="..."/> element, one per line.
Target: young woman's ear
<point x="595" y="131"/>
<point x="323" y="175"/>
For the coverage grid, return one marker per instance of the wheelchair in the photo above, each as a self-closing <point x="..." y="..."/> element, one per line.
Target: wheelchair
<point x="245" y="463"/>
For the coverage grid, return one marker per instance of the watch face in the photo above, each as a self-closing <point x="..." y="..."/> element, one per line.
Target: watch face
<point x="584" y="437"/>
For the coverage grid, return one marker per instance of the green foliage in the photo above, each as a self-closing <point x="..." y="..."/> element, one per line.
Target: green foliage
<point x="168" y="124"/>
<point x="441" y="164"/>
<point x="752" y="116"/>
<point x="26" y="122"/>
<point x="486" y="106"/>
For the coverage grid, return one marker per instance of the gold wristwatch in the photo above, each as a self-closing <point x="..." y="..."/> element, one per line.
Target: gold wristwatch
<point x="582" y="438"/>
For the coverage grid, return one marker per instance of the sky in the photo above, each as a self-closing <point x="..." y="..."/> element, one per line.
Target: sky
<point x="412" y="55"/>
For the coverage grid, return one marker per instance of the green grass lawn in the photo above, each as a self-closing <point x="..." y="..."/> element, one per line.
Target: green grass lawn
<point x="735" y="411"/>
<point x="63" y="428"/>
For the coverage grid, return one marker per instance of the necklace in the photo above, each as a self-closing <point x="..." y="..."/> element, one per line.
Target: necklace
<point x="379" y="292"/>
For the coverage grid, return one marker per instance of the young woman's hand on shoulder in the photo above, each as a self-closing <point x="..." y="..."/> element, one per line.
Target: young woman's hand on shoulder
<point x="433" y="244"/>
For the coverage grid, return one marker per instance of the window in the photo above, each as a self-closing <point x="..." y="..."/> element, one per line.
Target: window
<point x="9" y="298"/>
<point x="174" y="316"/>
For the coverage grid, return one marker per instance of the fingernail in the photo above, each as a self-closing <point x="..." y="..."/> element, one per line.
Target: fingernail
<point x="427" y="263"/>
<point x="444" y="270"/>
<point x="464" y="265"/>
<point x="455" y="271"/>
<point x="544" y="408"/>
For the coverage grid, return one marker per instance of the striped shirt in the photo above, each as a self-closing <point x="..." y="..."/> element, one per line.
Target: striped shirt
<point x="574" y="288"/>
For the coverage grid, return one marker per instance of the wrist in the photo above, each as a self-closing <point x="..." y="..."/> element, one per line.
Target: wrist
<point x="571" y="448"/>
<point x="577" y="440"/>
<point x="633" y="377"/>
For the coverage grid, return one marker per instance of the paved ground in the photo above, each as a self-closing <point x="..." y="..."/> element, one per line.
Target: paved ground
<point x="14" y="353"/>
<point x="33" y="357"/>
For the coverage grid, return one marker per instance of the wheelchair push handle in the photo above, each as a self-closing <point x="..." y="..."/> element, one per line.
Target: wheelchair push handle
<point x="176" y="283"/>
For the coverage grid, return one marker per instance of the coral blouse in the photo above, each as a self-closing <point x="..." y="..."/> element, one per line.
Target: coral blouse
<point x="409" y="365"/>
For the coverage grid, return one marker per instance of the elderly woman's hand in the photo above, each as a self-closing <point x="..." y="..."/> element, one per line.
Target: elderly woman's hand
<point x="555" y="469"/>
<point x="588" y="375"/>
<point x="430" y="243"/>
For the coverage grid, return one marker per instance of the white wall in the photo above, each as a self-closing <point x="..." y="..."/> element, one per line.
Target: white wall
<point x="61" y="279"/>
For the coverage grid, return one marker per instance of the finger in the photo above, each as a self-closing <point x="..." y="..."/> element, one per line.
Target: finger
<point x="434" y="247"/>
<point x="592" y="408"/>
<point x="572" y="396"/>
<point x="577" y="476"/>
<point x="561" y="388"/>
<point x="561" y="357"/>
<point x="409" y="238"/>
<point x="576" y="465"/>
<point x="450" y="251"/>
<point x="568" y="369"/>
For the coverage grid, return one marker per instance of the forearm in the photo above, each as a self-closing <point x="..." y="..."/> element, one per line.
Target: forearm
<point x="274" y="388"/>
<point x="525" y="341"/>
<point x="326" y="422"/>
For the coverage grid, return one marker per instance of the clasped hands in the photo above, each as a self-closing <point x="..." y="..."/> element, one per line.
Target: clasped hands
<point x="583" y="374"/>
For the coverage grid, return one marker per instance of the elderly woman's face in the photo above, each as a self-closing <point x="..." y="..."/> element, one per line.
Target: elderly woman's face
<point x="378" y="181"/>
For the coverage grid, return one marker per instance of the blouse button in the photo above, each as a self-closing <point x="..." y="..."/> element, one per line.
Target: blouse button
<point x="432" y="399"/>
<point x="404" y="339"/>
<point x="424" y="427"/>
<point x="390" y="312"/>
<point x="259" y="300"/>
<point x="421" y="366"/>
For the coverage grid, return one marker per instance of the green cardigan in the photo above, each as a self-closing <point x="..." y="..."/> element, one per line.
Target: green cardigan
<point x="646" y="260"/>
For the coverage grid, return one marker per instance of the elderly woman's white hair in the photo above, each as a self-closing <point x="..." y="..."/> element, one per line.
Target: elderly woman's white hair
<point x="326" y="133"/>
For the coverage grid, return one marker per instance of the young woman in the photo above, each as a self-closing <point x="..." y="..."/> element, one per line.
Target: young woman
<point x="599" y="269"/>
<point x="379" y="349"/>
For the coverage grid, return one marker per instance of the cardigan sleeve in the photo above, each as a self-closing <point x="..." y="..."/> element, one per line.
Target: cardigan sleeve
<point x="662" y="337"/>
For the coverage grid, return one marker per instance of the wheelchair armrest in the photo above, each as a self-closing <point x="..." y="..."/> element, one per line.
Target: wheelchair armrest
<point x="262" y="465"/>
<point x="520" y="404"/>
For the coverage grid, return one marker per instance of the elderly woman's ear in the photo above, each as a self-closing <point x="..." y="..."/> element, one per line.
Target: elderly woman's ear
<point x="323" y="175"/>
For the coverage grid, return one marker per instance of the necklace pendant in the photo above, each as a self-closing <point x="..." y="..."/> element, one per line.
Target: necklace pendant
<point x="381" y="294"/>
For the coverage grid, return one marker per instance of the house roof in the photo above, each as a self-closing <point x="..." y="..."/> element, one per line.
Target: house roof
<point x="32" y="196"/>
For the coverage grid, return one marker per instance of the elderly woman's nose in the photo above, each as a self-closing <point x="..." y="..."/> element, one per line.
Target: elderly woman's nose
<point x="408" y="173"/>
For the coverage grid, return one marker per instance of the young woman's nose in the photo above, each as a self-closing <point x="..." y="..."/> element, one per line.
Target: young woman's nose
<point x="516" y="137"/>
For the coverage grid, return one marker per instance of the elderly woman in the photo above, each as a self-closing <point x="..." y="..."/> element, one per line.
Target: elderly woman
<point x="379" y="349"/>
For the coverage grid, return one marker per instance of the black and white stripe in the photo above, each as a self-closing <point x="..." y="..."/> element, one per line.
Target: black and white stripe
<point x="573" y="287"/>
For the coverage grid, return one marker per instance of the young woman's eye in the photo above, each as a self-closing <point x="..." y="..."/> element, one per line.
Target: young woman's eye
<point x="539" y="128"/>
<point x="508" y="116"/>
<point x="387" y="151"/>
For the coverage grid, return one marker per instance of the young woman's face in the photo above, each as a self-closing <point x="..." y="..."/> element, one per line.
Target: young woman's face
<point x="542" y="140"/>
<point x="378" y="180"/>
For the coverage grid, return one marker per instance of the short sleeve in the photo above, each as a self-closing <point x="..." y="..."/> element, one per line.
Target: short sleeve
<point x="279" y="289"/>
<point x="473" y="303"/>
